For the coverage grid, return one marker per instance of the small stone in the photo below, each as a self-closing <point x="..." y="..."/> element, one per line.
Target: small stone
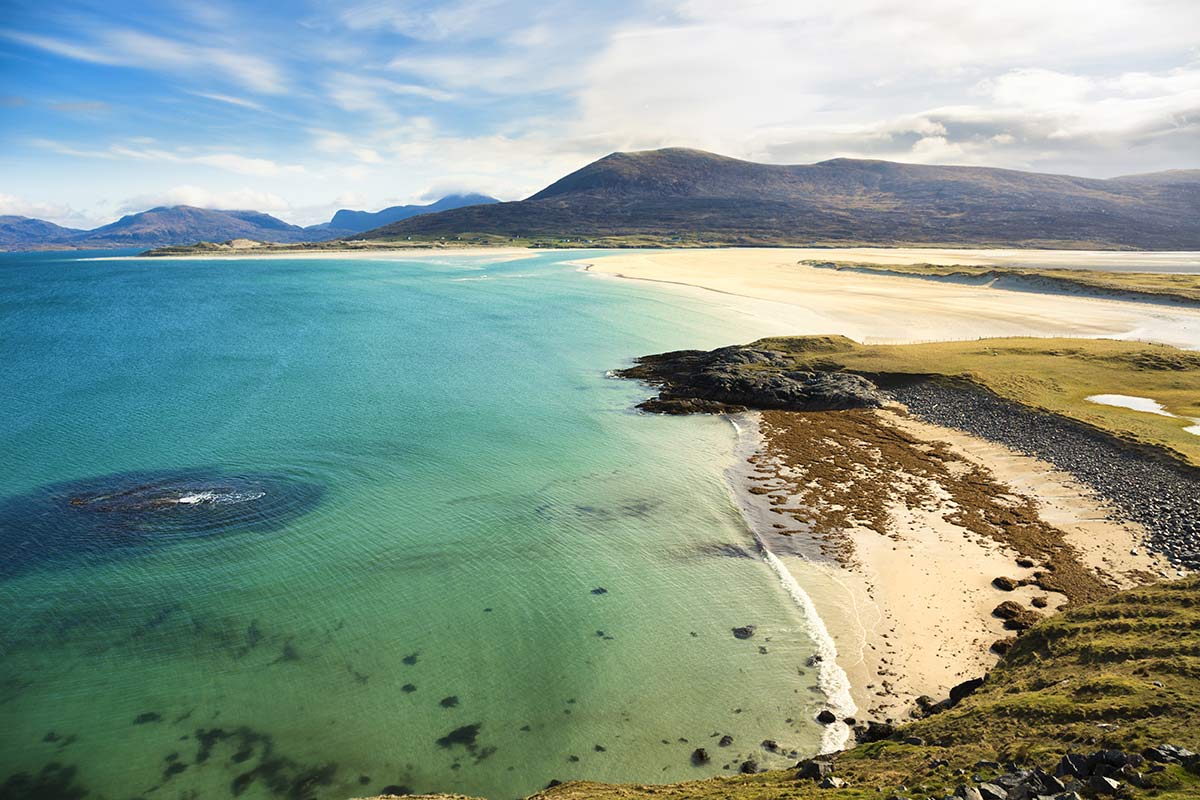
<point x="744" y="632"/>
<point x="599" y="590"/>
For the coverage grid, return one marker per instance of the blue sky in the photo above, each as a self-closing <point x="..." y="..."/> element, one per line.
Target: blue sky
<point x="301" y="108"/>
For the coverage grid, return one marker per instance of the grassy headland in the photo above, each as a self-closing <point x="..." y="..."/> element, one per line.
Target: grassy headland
<point x="1054" y="375"/>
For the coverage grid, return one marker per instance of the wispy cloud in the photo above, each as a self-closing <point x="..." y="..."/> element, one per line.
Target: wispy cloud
<point x="129" y="48"/>
<point x="138" y="151"/>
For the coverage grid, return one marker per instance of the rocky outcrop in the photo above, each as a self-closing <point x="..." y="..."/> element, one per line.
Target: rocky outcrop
<point x="740" y="377"/>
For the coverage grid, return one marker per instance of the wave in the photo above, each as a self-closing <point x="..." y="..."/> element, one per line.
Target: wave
<point x="832" y="680"/>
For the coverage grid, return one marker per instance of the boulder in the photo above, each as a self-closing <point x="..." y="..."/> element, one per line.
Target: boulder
<point x="1005" y="584"/>
<point x="831" y="782"/>
<point x="992" y="791"/>
<point x="814" y="769"/>
<point x="965" y="689"/>
<point x="748" y="767"/>
<point x="826" y="717"/>
<point x="1102" y="785"/>
<point x="700" y="756"/>
<point x="744" y="632"/>
<point x="726" y="740"/>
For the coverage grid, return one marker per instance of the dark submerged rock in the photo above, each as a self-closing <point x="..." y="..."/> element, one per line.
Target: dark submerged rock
<point x="700" y="756"/>
<point x="744" y="632"/>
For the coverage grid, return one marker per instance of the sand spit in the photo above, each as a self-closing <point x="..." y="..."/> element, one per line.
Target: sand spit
<point x="896" y="529"/>
<point x="780" y="293"/>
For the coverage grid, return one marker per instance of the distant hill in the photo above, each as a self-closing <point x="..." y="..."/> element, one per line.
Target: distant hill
<point x="696" y="196"/>
<point x="181" y="225"/>
<point x="17" y="231"/>
<point x="357" y="221"/>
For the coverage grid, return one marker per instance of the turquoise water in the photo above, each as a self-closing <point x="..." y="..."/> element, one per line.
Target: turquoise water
<point x="418" y="479"/>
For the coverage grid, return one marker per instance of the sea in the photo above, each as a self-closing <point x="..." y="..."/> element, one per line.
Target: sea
<point x="321" y="527"/>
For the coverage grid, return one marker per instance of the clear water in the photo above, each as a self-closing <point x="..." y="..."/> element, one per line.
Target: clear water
<point x="449" y="475"/>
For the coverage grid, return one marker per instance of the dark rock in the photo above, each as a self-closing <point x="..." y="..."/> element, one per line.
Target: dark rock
<point x="149" y="716"/>
<point x="599" y="590"/>
<point x="770" y="745"/>
<point x="967" y="793"/>
<point x="965" y="689"/>
<point x="700" y="756"/>
<point x="395" y="789"/>
<point x="826" y="717"/>
<point x="831" y="782"/>
<point x="449" y="702"/>
<point x="1102" y="785"/>
<point x="991" y="791"/>
<point x="814" y="769"/>
<point x="874" y="731"/>
<point x="916" y="741"/>
<point x="1040" y="601"/>
<point x="726" y="740"/>
<point x="1005" y="584"/>
<point x="732" y="378"/>
<point x="1002" y="646"/>
<point x="748" y="767"/>
<point x="553" y="783"/>
<point x="744" y="632"/>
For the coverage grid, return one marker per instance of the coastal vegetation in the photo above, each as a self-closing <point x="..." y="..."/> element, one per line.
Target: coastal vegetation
<point x="1184" y="287"/>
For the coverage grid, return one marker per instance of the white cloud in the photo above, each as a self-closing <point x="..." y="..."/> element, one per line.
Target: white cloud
<point x="187" y="195"/>
<point x="58" y="213"/>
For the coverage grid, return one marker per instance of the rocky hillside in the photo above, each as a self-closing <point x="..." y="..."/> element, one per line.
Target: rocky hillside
<point x="17" y="231"/>
<point x="690" y="196"/>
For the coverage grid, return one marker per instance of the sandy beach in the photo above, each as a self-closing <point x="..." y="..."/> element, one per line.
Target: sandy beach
<point x="771" y="285"/>
<point x="907" y="597"/>
<point x="868" y="516"/>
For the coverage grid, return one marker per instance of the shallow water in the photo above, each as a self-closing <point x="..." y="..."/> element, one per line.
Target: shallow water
<point x="434" y="480"/>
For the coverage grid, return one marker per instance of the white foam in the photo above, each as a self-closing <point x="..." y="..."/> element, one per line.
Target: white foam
<point x="832" y="680"/>
<point x="218" y="497"/>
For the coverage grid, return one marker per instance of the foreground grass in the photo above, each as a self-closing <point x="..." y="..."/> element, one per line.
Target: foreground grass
<point x="1056" y="375"/>
<point x="1123" y="673"/>
<point x="1150" y="285"/>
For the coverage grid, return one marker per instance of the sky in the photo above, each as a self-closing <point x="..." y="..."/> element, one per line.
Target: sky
<point x="300" y="108"/>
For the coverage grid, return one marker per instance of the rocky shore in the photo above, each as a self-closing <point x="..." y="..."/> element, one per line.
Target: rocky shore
<point x="1160" y="493"/>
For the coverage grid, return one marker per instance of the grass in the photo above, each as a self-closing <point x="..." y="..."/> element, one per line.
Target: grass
<point x="1122" y="673"/>
<point x="1055" y="375"/>
<point x="1168" y="286"/>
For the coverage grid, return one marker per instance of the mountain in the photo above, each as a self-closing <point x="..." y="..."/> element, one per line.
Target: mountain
<point x="357" y="221"/>
<point x="696" y="196"/>
<point x="16" y="231"/>
<point x="182" y="225"/>
<point x="179" y="224"/>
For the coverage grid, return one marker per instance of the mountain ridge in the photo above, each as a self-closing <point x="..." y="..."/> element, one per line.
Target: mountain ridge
<point x="184" y="224"/>
<point x="680" y="193"/>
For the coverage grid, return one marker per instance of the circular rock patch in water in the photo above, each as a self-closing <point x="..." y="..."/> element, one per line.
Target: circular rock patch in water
<point x="122" y="513"/>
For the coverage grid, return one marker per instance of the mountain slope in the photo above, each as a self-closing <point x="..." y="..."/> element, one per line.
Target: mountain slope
<point x="701" y="196"/>
<point x="15" y="231"/>
<point x="356" y="221"/>
<point x="178" y="224"/>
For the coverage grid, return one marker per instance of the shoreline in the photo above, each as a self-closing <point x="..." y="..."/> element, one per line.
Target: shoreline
<point x="883" y="309"/>
<point x="912" y="614"/>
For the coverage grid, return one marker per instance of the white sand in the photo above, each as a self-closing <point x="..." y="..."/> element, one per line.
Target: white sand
<point x="774" y="293"/>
